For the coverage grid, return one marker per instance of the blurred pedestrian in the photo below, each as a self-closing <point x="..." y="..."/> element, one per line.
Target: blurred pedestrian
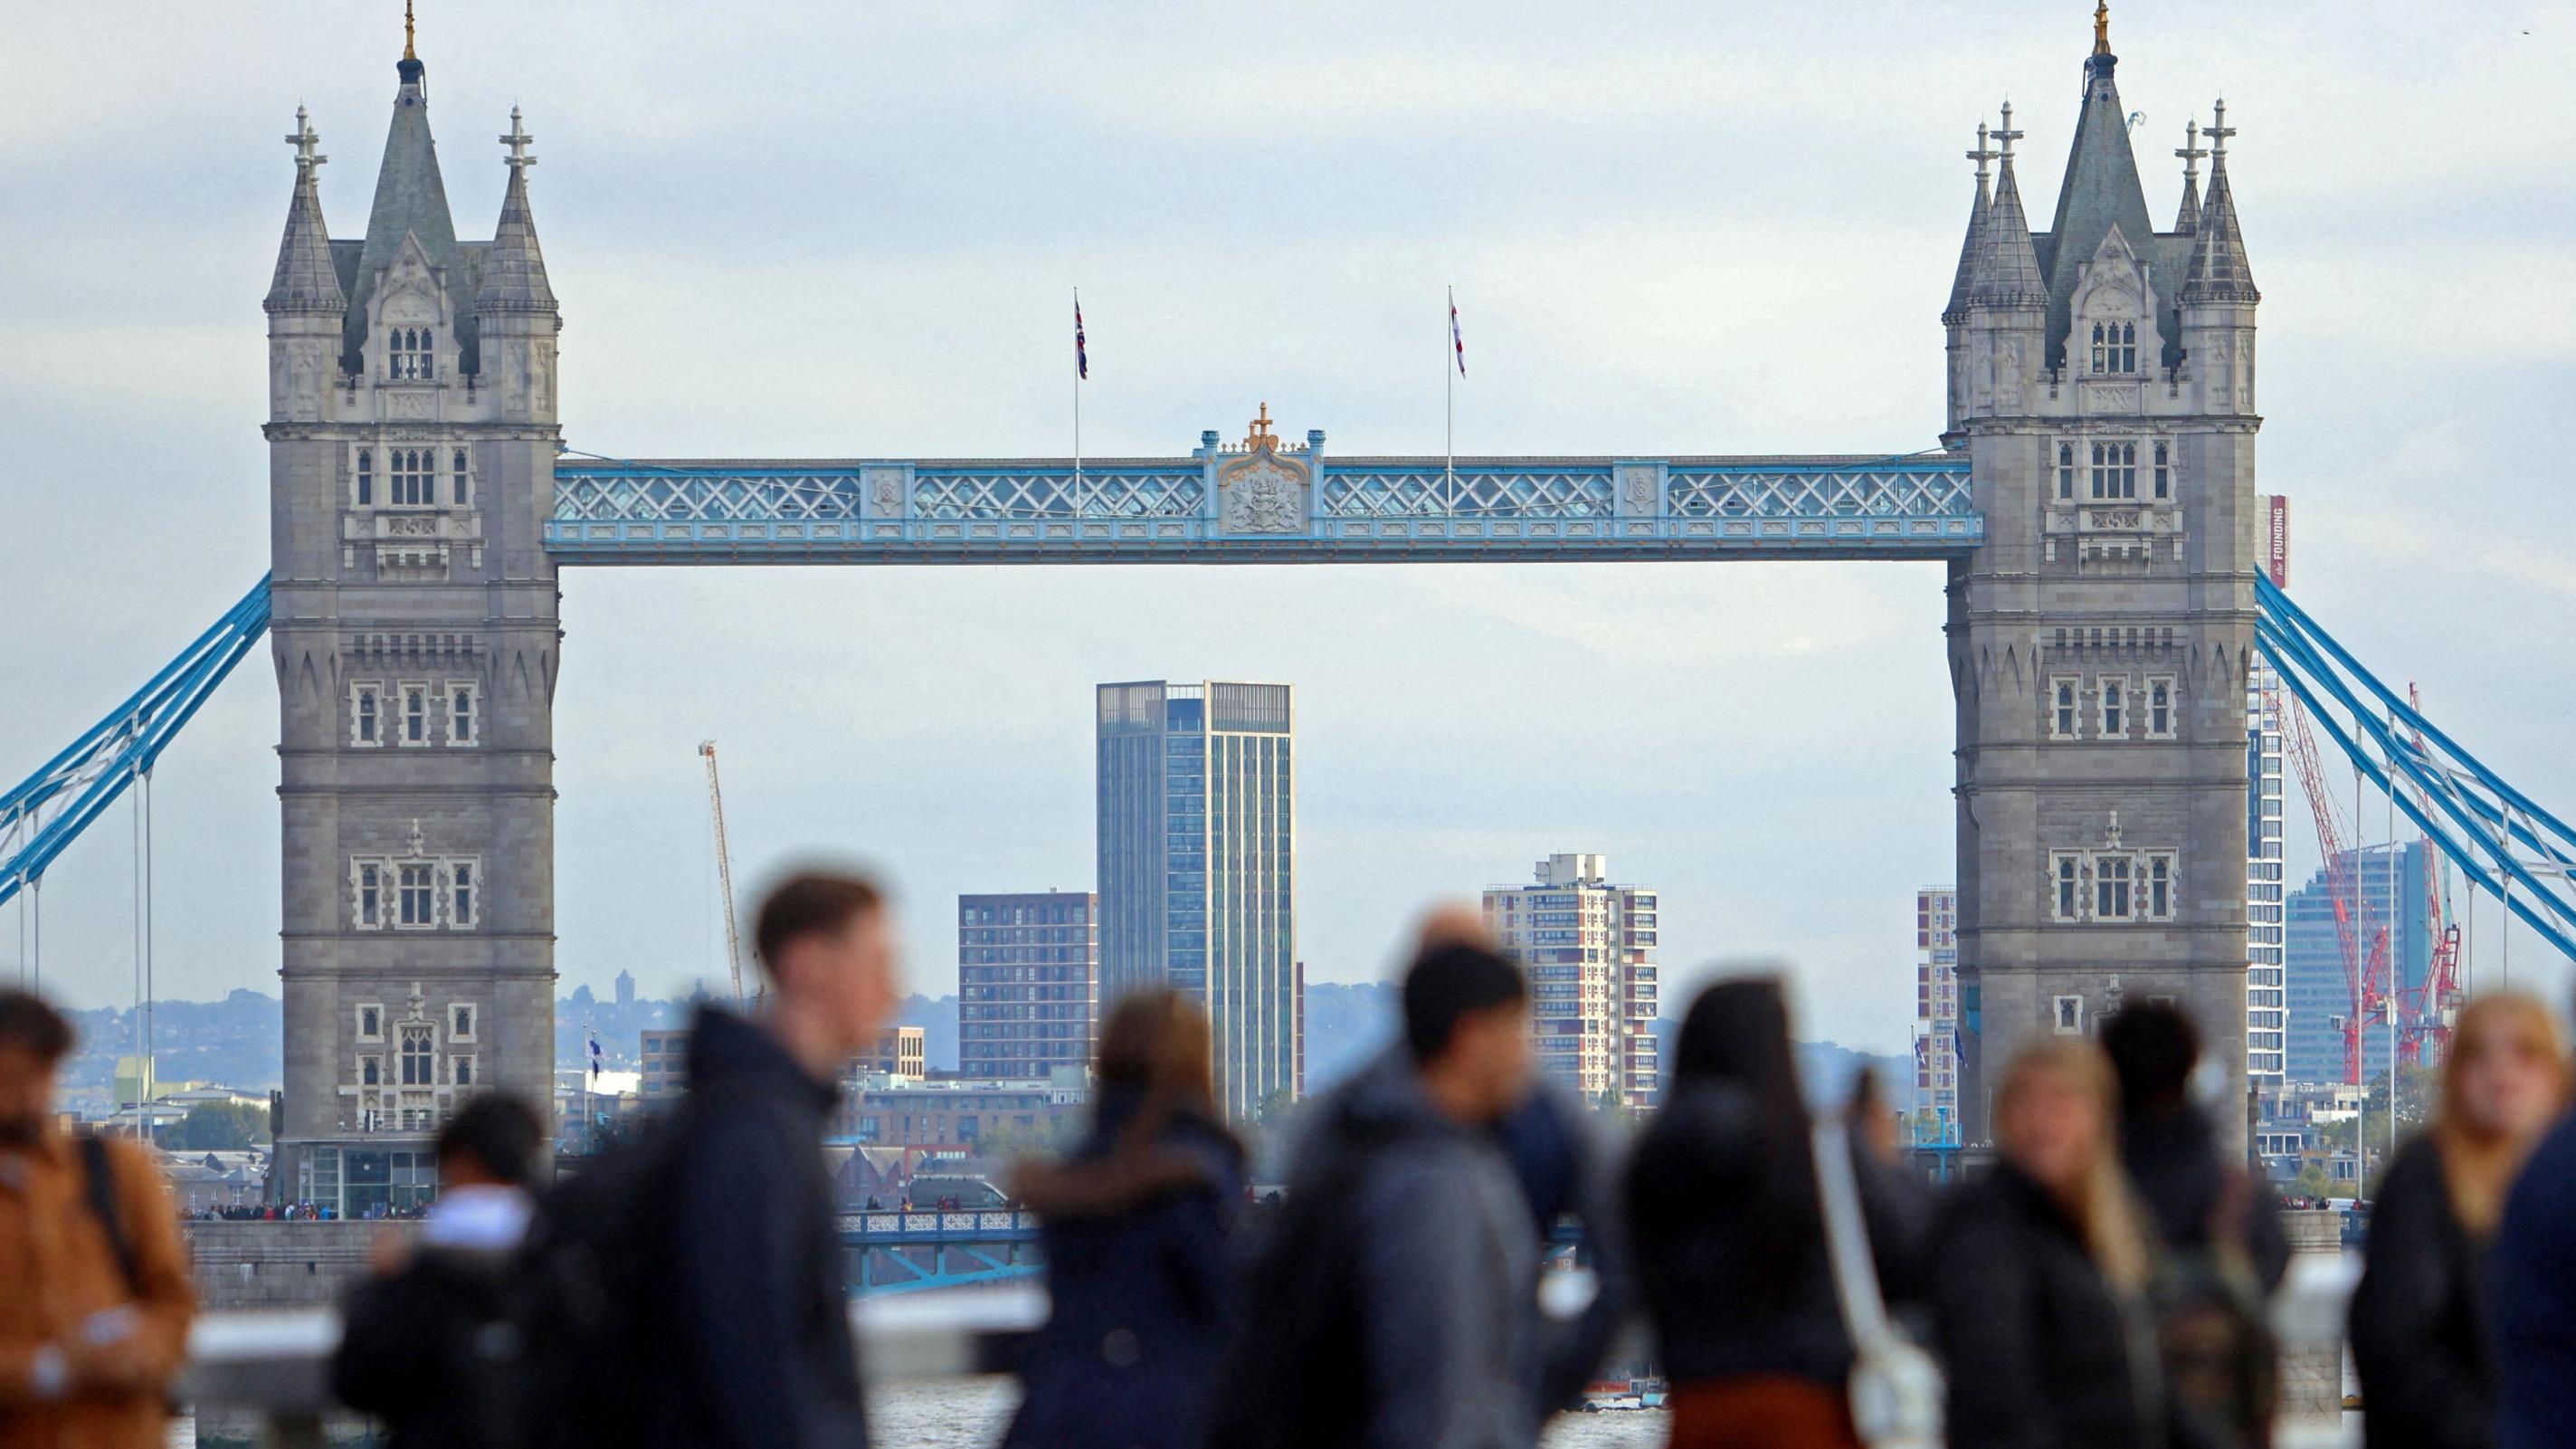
<point x="94" y="1294"/>
<point x="416" y="1342"/>
<point x="2419" y="1325"/>
<point x="1395" y="1299"/>
<point x="2221" y="1249"/>
<point x="1730" y="1240"/>
<point x="1569" y="1175"/>
<point x="2040" y="1272"/>
<point x="1135" y="1222"/>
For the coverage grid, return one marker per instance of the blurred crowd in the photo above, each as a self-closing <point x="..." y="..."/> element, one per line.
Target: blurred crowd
<point x="2105" y="1283"/>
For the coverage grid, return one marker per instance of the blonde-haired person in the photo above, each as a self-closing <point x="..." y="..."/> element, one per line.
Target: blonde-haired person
<point x="2040" y="1271"/>
<point x="2420" y="1335"/>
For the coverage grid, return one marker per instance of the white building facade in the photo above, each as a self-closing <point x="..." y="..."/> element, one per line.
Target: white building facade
<point x="1589" y="949"/>
<point x="1936" y="1016"/>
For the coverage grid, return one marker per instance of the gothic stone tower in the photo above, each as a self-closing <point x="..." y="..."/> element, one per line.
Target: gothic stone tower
<point x="411" y="444"/>
<point x="2102" y="383"/>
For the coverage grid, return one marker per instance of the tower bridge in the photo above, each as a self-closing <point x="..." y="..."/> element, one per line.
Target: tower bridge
<point x="2091" y="489"/>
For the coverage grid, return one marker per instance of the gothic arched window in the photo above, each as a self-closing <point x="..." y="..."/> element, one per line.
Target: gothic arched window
<point x="2066" y="472"/>
<point x="2115" y="347"/>
<point x="408" y="356"/>
<point x="366" y="477"/>
<point x="414" y="477"/>
<point x="2164" y="470"/>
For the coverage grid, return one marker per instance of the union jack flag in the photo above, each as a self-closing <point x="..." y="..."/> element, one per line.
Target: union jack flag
<point x="1455" y="340"/>
<point x="1081" y="357"/>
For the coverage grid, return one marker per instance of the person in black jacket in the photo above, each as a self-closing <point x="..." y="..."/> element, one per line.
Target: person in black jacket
<point x="416" y="1341"/>
<point x="2198" y="1201"/>
<point x="1729" y="1237"/>
<point x="754" y="1349"/>
<point x="2040" y="1272"/>
<point x="1136" y="1222"/>
<point x="2419" y="1319"/>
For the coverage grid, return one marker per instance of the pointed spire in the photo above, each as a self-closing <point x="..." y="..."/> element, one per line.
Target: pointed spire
<point x="305" y="280"/>
<point x="410" y="199"/>
<point x="2219" y="271"/>
<point x="1964" y="280"/>
<point x="2187" y="220"/>
<point x="2101" y="188"/>
<point x="2007" y="270"/>
<point x="514" y="272"/>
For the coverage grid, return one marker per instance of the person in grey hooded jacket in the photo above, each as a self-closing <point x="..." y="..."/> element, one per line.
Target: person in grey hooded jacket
<point x="1399" y="1284"/>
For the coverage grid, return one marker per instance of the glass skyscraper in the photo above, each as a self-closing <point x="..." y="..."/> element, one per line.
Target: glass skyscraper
<point x="1197" y="862"/>
<point x="2393" y="883"/>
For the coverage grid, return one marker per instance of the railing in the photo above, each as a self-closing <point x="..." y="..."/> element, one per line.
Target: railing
<point x="275" y="1364"/>
<point x="1310" y="508"/>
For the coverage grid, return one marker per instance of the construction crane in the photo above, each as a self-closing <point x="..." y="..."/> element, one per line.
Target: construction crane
<point x="2365" y="970"/>
<point x="2429" y="1010"/>
<point x="724" y="866"/>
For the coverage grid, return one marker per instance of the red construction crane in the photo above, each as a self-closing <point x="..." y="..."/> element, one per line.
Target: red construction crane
<point x="724" y="867"/>
<point x="2425" y="1014"/>
<point x="2365" y="974"/>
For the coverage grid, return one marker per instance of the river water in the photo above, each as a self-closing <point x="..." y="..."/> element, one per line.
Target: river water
<point x="971" y="1414"/>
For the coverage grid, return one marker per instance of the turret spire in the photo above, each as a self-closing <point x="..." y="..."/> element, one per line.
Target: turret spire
<point x="2219" y="271"/>
<point x="407" y="53"/>
<point x="1963" y="282"/>
<point x="410" y="199"/>
<point x="305" y="279"/>
<point x="2188" y="219"/>
<point x="514" y="272"/>
<point x="2007" y="271"/>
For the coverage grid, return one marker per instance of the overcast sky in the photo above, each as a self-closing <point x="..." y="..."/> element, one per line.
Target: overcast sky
<point x="829" y="230"/>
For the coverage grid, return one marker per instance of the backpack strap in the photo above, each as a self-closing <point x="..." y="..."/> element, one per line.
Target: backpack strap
<point x="100" y="1175"/>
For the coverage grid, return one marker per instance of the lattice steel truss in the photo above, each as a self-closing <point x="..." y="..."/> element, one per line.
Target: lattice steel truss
<point x="45" y="812"/>
<point x="2500" y="838"/>
<point x="1889" y="489"/>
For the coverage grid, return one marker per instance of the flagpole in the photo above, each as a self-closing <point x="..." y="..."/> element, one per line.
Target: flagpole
<point x="1077" y="402"/>
<point x="1449" y="395"/>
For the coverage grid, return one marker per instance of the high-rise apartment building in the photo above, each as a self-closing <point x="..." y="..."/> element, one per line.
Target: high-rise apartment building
<point x="2266" y="991"/>
<point x="2391" y="889"/>
<point x="1936" y="1015"/>
<point x="1589" y="949"/>
<point x="1028" y="982"/>
<point x="1197" y="861"/>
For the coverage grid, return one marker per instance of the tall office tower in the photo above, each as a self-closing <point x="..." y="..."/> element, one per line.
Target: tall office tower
<point x="2391" y="884"/>
<point x="1198" y="849"/>
<point x="1589" y="948"/>
<point x="1936" y="1015"/>
<point x="1028" y="982"/>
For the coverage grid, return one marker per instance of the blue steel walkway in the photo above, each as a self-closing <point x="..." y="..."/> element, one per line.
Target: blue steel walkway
<point x="1261" y="500"/>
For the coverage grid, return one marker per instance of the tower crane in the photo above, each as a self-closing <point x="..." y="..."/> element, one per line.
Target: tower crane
<point x="724" y="866"/>
<point x="2364" y="972"/>
<point x="2427" y="1033"/>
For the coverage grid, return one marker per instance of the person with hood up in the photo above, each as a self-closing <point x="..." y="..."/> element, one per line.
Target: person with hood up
<point x="1135" y="1229"/>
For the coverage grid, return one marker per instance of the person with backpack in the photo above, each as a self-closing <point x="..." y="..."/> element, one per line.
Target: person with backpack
<point x="94" y="1294"/>
<point x="2419" y="1317"/>
<point x="416" y="1340"/>
<point x="1135" y="1230"/>
<point x="1394" y="1302"/>
<point x="687" y="1290"/>
<point x="1729" y="1232"/>
<point x="2220" y="1246"/>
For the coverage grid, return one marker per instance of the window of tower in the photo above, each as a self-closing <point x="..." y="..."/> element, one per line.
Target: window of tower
<point x="2160" y="873"/>
<point x="2115" y="698"/>
<point x="461" y="902"/>
<point x="2160" y="708"/>
<point x="417" y="1058"/>
<point x="2111" y="887"/>
<point x="415" y="480"/>
<point x="363" y="725"/>
<point x="414" y="895"/>
<point x="462" y="723"/>
<point x="2067" y="873"/>
<point x="456" y="476"/>
<point x="370" y="913"/>
<point x="415" y="720"/>
<point x="409" y="354"/>
<point x="2164" y="469"/>
<point x="2062" y="711"/>
<point x="2115" y="472"/>
<point x="366" y="477"/>
<point x="2066" y="472"/>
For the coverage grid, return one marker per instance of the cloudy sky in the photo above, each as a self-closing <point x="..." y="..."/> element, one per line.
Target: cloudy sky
<point x="833" y="230"/>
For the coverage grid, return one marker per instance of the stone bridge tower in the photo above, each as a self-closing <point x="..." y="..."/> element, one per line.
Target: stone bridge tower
<point x="2102" y="381"/>
<point x="411" y="441"/>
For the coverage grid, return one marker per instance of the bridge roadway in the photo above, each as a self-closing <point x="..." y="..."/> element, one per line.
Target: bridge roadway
<point x="1258" y="501"/>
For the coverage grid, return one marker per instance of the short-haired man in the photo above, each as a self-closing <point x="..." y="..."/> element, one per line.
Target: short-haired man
<point x="94" y="1294"/>
<point x="1398" y="1293"/>
<point x="757" y="1333"/>
<point x="416" y="1346"/>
